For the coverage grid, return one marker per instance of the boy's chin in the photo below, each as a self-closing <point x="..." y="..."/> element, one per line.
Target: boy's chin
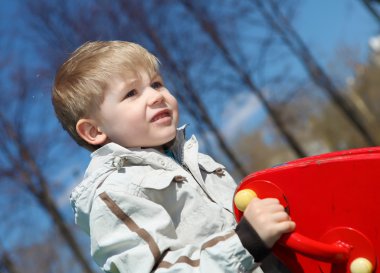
<point x="169" y="143"/>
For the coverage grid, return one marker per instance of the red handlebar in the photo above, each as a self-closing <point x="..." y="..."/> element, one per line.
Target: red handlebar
<point x="332" y="253"/>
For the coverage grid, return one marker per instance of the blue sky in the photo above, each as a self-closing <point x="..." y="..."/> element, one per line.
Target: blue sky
<point x="328" y="24"/>
<point x="324" y="25"/>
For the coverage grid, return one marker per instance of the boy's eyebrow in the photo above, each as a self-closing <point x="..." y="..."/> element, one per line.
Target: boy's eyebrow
<point x="128" y="84"/>
<point x="156" y="76"/>
<point x="131" y="82"/>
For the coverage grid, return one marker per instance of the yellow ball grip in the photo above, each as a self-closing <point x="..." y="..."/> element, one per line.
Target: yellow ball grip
<point x="361" y="265"/>
<point x="243" y="197"/>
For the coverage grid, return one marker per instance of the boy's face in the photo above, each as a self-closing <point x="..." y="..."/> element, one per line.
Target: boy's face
<point x="138" y="112"/>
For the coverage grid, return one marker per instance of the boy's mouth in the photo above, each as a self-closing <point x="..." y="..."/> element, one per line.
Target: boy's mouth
<point x="162" y="114"/>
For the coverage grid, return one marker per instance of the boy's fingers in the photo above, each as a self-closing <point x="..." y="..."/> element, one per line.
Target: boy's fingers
<point x="265" y="203"/>
<point x="266" y="200"/>
<point x="256" y="199"/>
<point x="281" y="216"/>
<point x="269" y="205"/>
<point x="286" y="226"/>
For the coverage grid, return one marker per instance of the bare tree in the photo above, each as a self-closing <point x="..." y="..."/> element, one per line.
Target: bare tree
<point x="278" y="21"/>
<point x="6" y="263"/>
<point x="210" y="29"/>
<point x="370" y="5"/>
<point x="26" y="171"/>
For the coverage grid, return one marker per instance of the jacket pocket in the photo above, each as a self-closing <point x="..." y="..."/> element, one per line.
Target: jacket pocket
<point x="159" y="180"/>
<point x="206" y="163"/>
<point x="219" y="184"/>
<point x="170" y="190"/>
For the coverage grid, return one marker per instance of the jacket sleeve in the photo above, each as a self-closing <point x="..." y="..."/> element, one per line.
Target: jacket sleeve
<point x="133" y="234"/>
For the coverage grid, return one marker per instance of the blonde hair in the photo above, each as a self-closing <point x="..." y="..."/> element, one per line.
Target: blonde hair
<point x="80" y="82"/>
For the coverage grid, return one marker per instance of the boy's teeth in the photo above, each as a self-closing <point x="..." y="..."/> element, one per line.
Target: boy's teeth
<point x="160" y="116"/>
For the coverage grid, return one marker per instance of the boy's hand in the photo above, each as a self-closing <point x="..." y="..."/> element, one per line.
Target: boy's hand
<point x="269" y="219"/>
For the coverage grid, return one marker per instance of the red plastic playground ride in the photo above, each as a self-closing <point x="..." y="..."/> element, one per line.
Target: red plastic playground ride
<point x="334" y="200"/>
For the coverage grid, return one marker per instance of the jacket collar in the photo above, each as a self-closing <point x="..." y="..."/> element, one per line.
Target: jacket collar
<point x="114" y="155"/>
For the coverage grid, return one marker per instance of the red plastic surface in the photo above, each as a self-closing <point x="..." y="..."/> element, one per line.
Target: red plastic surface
<point x="333" y="198"/>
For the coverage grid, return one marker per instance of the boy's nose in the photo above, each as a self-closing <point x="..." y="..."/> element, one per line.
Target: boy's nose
<point x="154" y="96"/>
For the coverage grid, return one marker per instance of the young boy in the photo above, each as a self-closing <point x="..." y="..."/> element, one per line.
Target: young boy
<point x="149" y="200"/>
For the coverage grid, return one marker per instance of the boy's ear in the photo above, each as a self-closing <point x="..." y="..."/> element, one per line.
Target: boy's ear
<point x="88" y="130"/>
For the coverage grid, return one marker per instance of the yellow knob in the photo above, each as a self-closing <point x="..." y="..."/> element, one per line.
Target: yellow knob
<point x="243" y="197"/>
<point x="361" y="265"/>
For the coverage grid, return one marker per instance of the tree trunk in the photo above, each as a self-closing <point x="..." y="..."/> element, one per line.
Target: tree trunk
<point x="210" y="29"/>
<point x="291" y="38"/>
<point x="28" y="173"/>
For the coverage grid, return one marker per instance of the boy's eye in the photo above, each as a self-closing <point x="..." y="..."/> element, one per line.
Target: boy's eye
<point x="156" y="85"/>
<point x="130" y="94"/>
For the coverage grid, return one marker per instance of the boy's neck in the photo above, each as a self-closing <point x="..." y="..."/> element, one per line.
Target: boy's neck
<point x="168" y="146"/>
<point x="162" y="148"/>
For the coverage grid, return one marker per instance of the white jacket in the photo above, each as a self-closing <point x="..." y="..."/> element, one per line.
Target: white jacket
<point x="146" y="212"/>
